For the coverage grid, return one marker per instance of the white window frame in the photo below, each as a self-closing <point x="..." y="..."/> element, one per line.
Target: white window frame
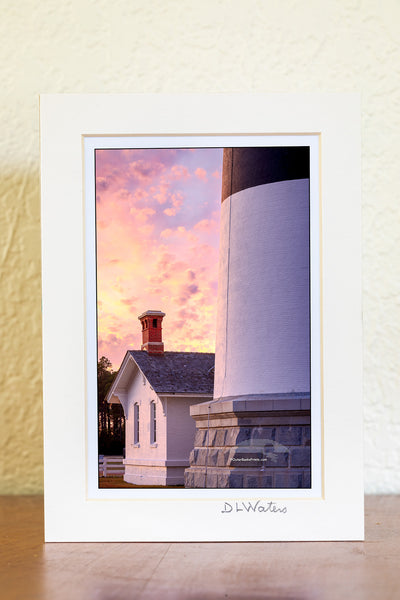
<point x="136" y="424"/>
<point x="153" y="423"/>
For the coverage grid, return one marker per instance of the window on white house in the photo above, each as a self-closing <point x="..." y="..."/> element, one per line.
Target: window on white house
<point x="136" y="422"/>
<point x="153" y="423"/>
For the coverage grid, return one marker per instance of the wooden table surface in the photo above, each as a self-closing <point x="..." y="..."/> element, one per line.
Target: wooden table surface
<point x="30" y="569"/>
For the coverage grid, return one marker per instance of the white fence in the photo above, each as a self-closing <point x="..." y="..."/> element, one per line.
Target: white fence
<point x="111" y="466"/>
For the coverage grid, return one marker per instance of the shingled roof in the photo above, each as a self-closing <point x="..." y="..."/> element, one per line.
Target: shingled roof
<point x="177" y="372"/>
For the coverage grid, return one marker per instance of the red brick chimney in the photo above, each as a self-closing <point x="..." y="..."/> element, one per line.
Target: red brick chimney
<point x="151" y="321"/>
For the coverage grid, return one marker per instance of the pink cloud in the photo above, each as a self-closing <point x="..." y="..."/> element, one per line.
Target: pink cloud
<point x="165" y="260"/>
<point x="217" y="174"/>
<point x="142" y="214"/>
<point x="182" y="232"/>
<point x="129" y="301"/>
<point x="154" y="291"/>
<point x="160" y="278"/>
<point x="160" y="193"/>
<point x="166" y="233"/>
<point x="188" y="314"/>
<point x="115" y="346"/>
<point x="201" y="174"/>
<point x="155" y="264"/>
<point x="102" y="224"/>
<point x="123" y="195"/>
<point x="102" y="183"/>
<point x="177" y="201"/>
<point x="179" y="233"/>
<point x="145" y="170"/>
<point x="205" y="225"/>
<point x="140" y="195"/>
<point x="146" y="230"/>
<point x="170" y="212"/>
<point x="185" y="294"/>
<point x="180" y="173"/>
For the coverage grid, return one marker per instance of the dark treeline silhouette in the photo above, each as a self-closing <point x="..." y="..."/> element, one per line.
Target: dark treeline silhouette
<point x="111" y="416"/>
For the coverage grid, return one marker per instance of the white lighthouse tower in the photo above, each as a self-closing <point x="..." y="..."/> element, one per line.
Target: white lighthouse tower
<point x="256" y="432"/>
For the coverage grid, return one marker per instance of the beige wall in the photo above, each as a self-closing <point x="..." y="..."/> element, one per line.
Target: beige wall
<point x="196" y="46"/>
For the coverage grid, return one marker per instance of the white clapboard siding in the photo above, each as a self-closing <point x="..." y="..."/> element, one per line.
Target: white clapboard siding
<point x="111" y="466"/>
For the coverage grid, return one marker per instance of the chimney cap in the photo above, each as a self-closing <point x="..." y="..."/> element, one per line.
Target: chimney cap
<point x="151" y="313"/>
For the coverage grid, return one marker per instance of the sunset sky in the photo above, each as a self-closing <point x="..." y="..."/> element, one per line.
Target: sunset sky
<point x="157" y="246"/>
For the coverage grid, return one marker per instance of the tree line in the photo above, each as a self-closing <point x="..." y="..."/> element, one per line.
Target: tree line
<point x="111" y="419"/>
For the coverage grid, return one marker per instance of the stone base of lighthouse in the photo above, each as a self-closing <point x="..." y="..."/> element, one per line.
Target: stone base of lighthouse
<point x="258" y="441"/>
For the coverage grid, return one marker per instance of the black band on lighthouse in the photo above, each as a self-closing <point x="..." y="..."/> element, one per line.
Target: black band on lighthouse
<point x="247" y="167"/>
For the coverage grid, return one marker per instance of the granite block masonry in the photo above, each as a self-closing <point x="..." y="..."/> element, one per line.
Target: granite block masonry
<point x="245" y="443"/>
<point x="256" y="431"/>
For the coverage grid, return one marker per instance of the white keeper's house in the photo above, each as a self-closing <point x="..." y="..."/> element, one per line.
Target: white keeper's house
<point x="156" y="390"/>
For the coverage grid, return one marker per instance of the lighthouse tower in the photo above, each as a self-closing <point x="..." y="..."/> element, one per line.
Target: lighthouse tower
<point x="256" y="432"/>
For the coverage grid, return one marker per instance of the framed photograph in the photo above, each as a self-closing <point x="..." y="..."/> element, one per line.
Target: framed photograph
<point x="202" y="317"/>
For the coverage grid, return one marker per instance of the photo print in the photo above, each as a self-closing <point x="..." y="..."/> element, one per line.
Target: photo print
<point x="203" y="317"/>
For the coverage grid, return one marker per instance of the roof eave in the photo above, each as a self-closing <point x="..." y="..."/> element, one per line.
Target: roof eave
<point x="184" y="394"/>
<point x="113" y="389"/>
